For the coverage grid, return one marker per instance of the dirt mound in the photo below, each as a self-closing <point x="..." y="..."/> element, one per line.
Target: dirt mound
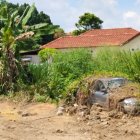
<point x="118" y="94"/>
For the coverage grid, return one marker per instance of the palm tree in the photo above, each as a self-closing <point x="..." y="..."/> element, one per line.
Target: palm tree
<point x="14" y="29"/>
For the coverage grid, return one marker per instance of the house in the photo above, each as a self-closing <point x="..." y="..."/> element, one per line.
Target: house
<point x="30" y="57"/>
<point x="126" y="38"/>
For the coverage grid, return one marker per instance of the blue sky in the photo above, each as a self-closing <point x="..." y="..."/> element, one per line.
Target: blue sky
<point x="114" y="13"/>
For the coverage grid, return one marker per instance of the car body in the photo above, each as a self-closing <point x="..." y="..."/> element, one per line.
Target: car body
<point x="101" y="91"/>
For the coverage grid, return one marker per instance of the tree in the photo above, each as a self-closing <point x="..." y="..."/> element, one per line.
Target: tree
<point x="41" y="37"/>
<point x="13" y="30"/>
<point x="59" y="33"/>
<point x="86" y="22"/>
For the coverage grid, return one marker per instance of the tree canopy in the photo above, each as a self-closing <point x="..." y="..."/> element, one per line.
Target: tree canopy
<point x="15" y="30"/>
<point x="86" y="22"/>
<point x="41" y="37"/>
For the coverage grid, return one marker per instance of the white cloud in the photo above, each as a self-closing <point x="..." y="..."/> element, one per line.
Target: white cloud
<point x="66" y="12"/>
<point x="130" y="14"/>
<point x="137" y="1"/>
<point x="131" y="18"/>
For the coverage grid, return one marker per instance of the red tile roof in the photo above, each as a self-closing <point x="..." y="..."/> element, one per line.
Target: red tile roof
<point x="115" y="31"/>
<point x="95" y="38"/>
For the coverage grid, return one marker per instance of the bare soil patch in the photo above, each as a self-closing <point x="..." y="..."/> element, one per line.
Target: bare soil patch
<point x="38" y="121"/>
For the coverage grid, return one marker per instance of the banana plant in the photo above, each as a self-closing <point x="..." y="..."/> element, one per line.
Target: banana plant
<point x="13" y="29"/>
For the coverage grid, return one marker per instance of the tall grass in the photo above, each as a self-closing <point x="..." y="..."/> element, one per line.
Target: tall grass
<point x="111" y="60"/>
<point x="52" y="78"/>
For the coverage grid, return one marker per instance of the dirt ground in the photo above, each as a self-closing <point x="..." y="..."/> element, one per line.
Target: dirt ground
<point x="39" y="121"/>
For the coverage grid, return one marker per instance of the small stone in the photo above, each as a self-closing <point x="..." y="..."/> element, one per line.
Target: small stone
<point x="97" y="118"/>
<point x="25" y="114"/>
<point x="89" y="124"/>
<point x="61" y="108"/>
<point x="19" y="112"/>
<point x="81" y="114"/>
<point x="100" y="109"/>
<point x="105" y="123"/>
<point x="126" y="131"/>
<point x="59" y="113"/>
<point x="75" y="105"/>
<point x="28" y="114"/>
<point x="59" y="131"/>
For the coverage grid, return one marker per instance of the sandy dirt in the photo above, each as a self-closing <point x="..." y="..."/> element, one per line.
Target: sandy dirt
<point x="40" y="122"/>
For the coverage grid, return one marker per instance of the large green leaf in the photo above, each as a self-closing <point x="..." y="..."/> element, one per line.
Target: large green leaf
<point x="12" y="19"/>
<point x="28" y="15"/>
<point x="38" y="26"/>
<point x="50" y="29"/>
<point x="23" y="15"/>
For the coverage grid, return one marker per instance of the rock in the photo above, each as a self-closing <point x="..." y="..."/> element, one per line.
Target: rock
<point x="83" y="111"/>
<point x="105" y="123"/>
<point x="71" y="110"/>
<point x="90" y="123"/>
<point x="81" y="114"/>
<point x="26" y="114"/>
<point x="75" y="105"/>
<point x="60" y="111"/>
<point x="59" y="131"/>
<point x="112" y="113"/>
<point x="97" y="117"/>
<point x="100" y="109"/>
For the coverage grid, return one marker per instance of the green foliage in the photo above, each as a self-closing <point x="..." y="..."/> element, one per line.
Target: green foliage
<point x="36" y="21"/>
<point x="59" y="33"/>
<point x="46" y="54"/>
<point x="77" y="32"/>
<point x="113" y="60"/>
<point x="28" y="16"/>
<point x="62" y="77"/>
<point x="14" y="30"/>
<point x="53" y="78"/>
<point x="86" y="22"/>
<point x="132" y="64"/>
<point x="76" y="62"/>
<point x="40" y="98"/>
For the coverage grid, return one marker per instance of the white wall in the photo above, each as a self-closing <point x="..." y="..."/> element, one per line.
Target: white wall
<point x="133" y="45"/>
<point x="68" y="49"/>
<point x="34" y="58"/>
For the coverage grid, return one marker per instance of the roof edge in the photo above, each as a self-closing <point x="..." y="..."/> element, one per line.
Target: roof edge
<point x="43" y="46"/>
<point x="108" y="29"/>
<point x="127" y="41"/>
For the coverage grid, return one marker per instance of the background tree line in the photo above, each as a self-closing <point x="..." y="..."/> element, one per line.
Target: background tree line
<point x="43" y="36"/>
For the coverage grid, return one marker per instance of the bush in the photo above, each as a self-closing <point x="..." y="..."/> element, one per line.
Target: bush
<point x="46" y="54"/>
<point x="52" y="78"/>
<point x="61" y="77"/>
<point x="112" y="60"/>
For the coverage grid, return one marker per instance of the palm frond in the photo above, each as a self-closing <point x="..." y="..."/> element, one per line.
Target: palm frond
<point x="28" y="15"/>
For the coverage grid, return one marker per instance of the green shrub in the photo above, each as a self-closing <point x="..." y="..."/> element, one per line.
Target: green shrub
<point x="40" y="98"/>
<point x="112" y="60"/>
<point x="53" y="78"/>
<point x="46" y="54"/>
